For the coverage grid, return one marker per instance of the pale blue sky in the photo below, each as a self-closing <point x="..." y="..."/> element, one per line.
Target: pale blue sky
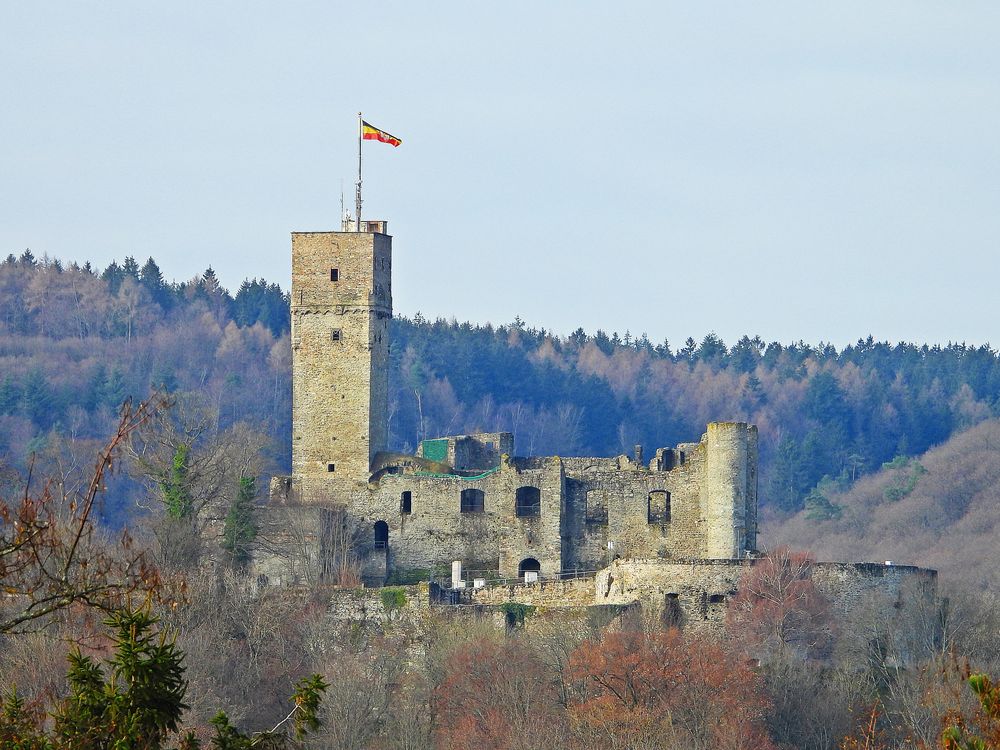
<point x="781" y="169"/>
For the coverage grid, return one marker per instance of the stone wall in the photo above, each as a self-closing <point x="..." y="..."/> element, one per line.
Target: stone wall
<point x="692" y="501"/>
<point x="592" y="510"/>
<point x="696" y="592"/>
<point x="570" y="592"/>
<point x="492" y="542"/>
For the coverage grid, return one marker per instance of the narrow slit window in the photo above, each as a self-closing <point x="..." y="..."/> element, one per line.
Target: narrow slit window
<point x="335" y="335"/>
<point x="406" y="502"/>
<point x="334" y="274"/>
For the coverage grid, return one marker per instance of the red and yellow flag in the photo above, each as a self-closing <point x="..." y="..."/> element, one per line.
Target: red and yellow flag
<point x="370" y="133"/>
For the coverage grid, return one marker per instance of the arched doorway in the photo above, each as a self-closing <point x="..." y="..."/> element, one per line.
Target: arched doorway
<point x="528" y="564"/>
<point x="381" y="534"/>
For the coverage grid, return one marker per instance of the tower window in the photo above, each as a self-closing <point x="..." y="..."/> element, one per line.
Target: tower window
<point x="406" y="502"/>
<point x="331" y="467"/>
<point x="335" y="334"/>
<point x="334" y="274"/>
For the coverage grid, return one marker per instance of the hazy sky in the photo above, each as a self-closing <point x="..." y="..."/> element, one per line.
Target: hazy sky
<point x="781" y="169"/>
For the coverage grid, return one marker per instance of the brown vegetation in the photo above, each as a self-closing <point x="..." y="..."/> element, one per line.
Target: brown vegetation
<point x="943" y="515"/>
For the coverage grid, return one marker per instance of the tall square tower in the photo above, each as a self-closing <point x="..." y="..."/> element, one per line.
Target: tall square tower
<point x="341" y="307"/>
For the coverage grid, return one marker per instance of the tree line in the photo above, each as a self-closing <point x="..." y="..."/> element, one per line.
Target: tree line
<point x="75" y="341"/>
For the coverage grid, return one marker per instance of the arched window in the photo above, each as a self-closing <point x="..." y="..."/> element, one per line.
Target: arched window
<point x="528" y="502"/>
<point x="381" y="534"/>
<point x="406" y="502"/>
<point x="658" y="507"/>
<point x="528" y="564"/>
<point x="473" y="501"/>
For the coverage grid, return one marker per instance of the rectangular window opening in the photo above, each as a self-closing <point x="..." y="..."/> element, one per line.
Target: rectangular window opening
<point x="334" y="274"/>
<point x="331" y="467"/>
<point x="335" y="334"/>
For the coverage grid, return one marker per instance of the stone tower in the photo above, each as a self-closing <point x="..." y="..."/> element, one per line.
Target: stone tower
<point x="729" y="490"/>
<point x="341" y="307"/>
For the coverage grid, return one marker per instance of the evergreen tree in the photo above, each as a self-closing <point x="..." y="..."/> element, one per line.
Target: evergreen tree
<point x="240" y="527"/>
<point x="27" y="258"/>
<point x="152" y="279"/>
<point x="37" y="399"/>
<point x="114" y="276"/>
<point x="137" y="700"/>
<point x="131" y="268"/>
<point x="10" y="395"/>
<point x="175" y="485"/>
<point x="113" y="390"/>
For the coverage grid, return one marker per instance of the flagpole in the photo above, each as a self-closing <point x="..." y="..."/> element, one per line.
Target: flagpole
<point x="358" y="197"/>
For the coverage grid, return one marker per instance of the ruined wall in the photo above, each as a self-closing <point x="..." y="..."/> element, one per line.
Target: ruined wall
<point x="339" y="357"/>
<point x="696" y="592"/>
<point x="479" y="451"/>
<point x="712" y="499"/>
<point x="491" y="542"/>
<point x="572" y="592"/>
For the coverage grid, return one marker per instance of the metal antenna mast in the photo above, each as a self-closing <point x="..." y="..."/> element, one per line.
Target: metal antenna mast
<point x="358" y="196"/>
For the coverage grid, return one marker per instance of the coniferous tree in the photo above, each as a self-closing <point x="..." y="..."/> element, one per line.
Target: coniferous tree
<point x="131" y="268"/>
<point x="136" y="701"/>
<point x="240" y="527"/>
<point x="114" y="276"/>
<point x="10" y="395"/>
<point x="151" y="278"/>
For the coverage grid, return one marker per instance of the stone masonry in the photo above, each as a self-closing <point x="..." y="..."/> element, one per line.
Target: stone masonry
<point x="673" y="533"/>
<point x="466" y="497"/>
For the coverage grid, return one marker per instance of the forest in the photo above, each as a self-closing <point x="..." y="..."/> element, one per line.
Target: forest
<point x="75" y="341"/>
<point x="124" y="625"/>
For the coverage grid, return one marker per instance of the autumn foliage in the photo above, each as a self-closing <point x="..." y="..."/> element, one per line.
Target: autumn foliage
<point x="495" y="695"/>
<point x="664" y="689"/>
<point x="779" y="610"/>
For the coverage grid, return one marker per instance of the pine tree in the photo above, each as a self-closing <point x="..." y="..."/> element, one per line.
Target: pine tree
<point x="131" y="268"/>
<point x="240" y="528"/>
<point x="10" y="395"/>
<point x="151" y="277"/>
<point x="114" y="276"/>
<point x="36" y="398"/>
<point x="137" y="700"/>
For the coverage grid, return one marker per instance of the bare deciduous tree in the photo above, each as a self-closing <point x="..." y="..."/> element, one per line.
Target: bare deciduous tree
<point x="52" y="556"/>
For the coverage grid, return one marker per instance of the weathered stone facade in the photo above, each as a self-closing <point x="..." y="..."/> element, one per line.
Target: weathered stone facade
<point x="673" y="533"/>
<point x="466" y="497"/>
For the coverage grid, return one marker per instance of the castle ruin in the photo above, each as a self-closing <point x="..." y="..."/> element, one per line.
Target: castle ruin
<point x="689" y="508"/>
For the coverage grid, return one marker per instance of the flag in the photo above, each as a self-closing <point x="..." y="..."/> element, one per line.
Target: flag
<point x="370" y="133"/>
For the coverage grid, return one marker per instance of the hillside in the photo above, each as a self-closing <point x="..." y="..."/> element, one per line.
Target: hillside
<point x="75" y="341"/>
<point x="940" y="511"/>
